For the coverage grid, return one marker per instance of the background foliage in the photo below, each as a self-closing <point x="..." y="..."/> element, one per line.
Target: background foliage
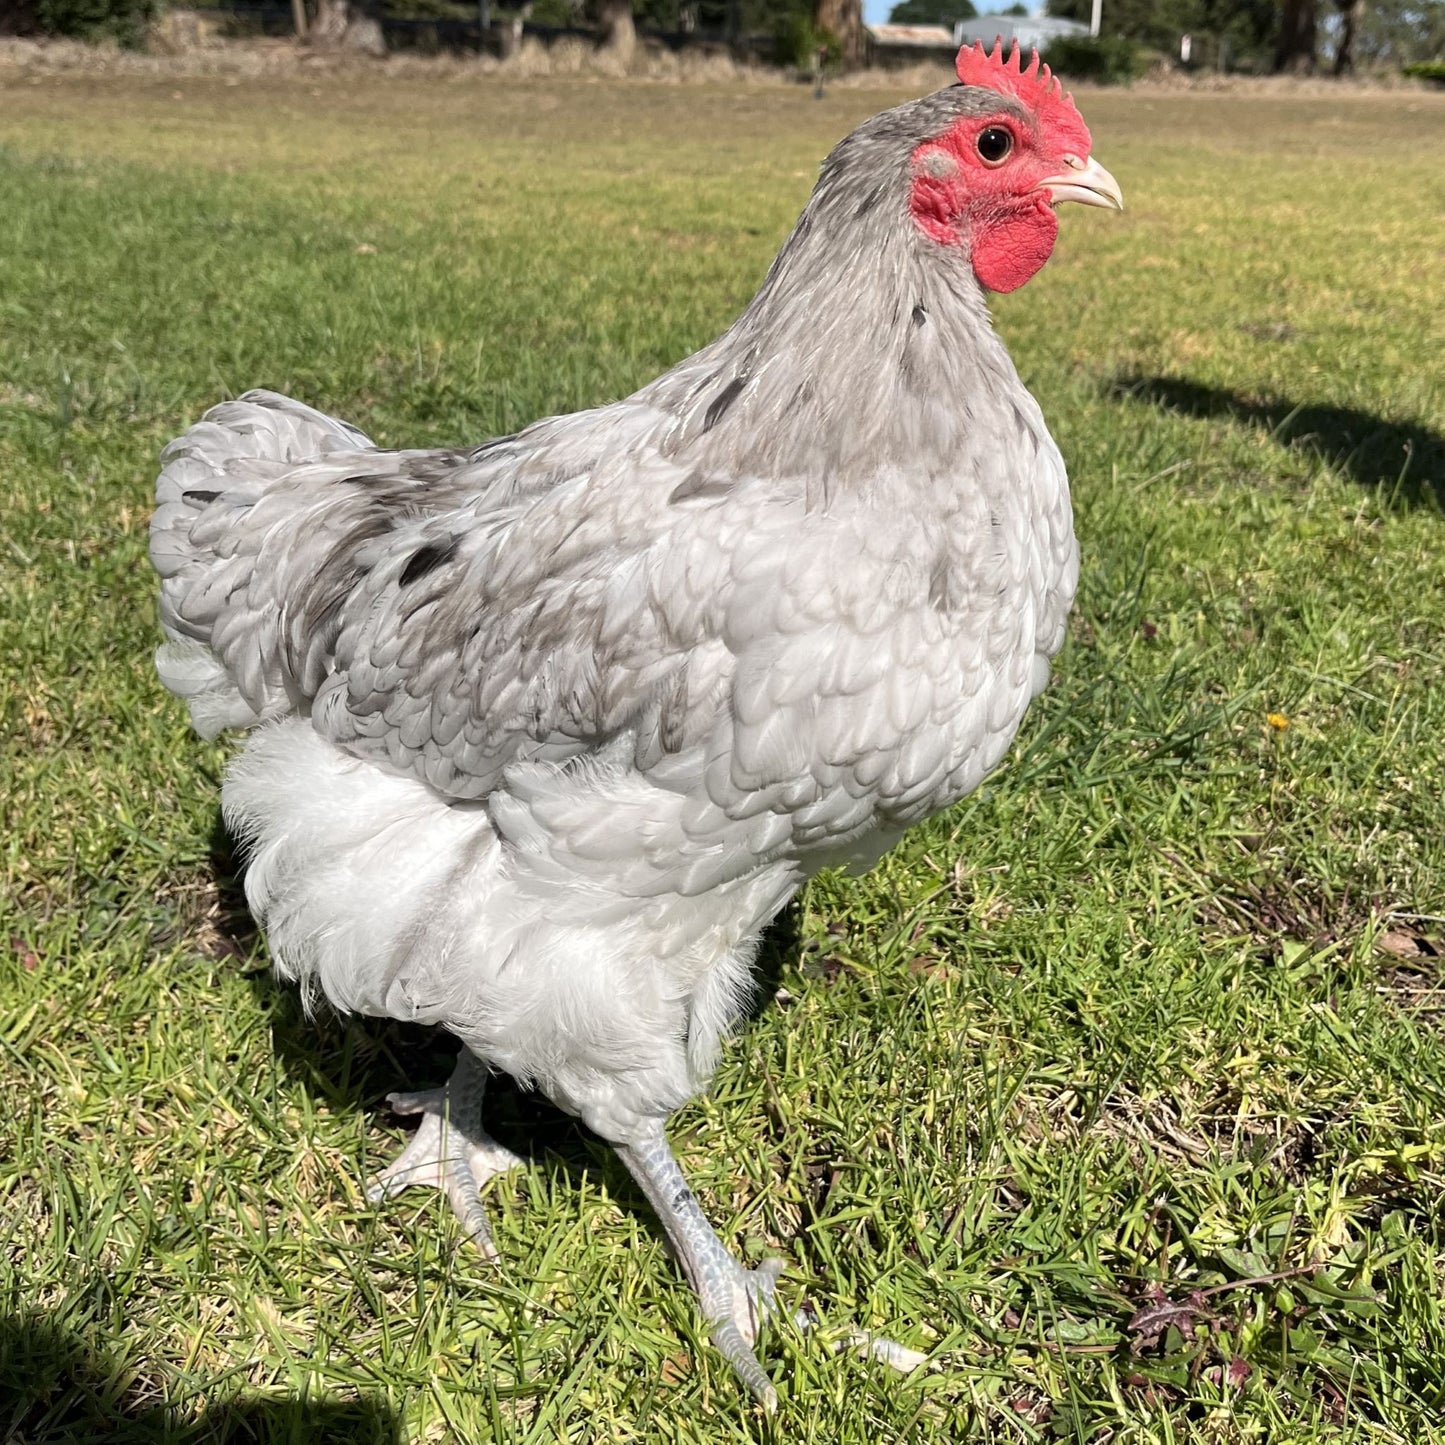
<point x="1107" y="60"/>
<point x="120" y="20"/>
<point x="931" y="12"/>
<point x="1247" y="27"/>
<point x="1242" y="34"/>
<point x="1391" y="31"/>
<point x="1403" y="30"/>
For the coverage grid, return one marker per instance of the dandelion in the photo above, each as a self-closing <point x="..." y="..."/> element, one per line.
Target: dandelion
<point x="1277" y="720"/>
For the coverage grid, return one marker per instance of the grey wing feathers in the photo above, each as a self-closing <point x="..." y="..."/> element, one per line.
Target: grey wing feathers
<point x="394" y="596"/>
<point x="266" y="509"/>
<point x="525" y="630"/>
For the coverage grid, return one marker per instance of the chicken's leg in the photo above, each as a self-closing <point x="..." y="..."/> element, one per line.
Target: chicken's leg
<point x="734" y="1300"/>
<point x="450" y="1150"/>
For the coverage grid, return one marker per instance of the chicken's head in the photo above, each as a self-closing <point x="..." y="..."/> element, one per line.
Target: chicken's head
<point x="990" y="181"/>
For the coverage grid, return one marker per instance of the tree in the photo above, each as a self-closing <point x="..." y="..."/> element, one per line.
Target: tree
<point x="340" y="24"/>
<point x="1352" y="12"/>
<point x="18" y="18"/>
<point x="931" y="12"/>
<point x="729" y="18"/>
<point x="619" y="34"/>
<point x="1245" y="29"/>
<point x="122" y="20"/>
<point x="1396" y="32"/>
<point x="1295" y="51"/>
<point x="843" y="20"/>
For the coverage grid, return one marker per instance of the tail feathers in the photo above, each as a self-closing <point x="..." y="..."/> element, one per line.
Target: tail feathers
<point x="261" y="426"/>
<point x="236" y="453"/>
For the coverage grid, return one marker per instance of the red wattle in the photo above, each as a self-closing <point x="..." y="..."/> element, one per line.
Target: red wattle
<point x="1013" y="249"/>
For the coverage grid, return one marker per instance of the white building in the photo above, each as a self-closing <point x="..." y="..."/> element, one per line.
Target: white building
<point x="1033" y="32"/>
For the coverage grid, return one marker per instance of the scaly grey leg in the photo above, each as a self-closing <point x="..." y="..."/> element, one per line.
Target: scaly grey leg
<point x="734" y="1300"/>
<point x="450" y="1150"/>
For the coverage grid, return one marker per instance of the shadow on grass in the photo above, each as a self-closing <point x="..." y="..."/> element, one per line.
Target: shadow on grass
<point x="1402" y="460"/>
<point x="57" y="1386"/>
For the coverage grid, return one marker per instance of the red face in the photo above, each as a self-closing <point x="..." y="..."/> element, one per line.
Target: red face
<point x="983" y="184"/>
<point x="989" y="183"/>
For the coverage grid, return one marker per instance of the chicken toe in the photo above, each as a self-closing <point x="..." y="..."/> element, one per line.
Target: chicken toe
<point x="735" y="1300"/>
<point x="449" y="1151"/>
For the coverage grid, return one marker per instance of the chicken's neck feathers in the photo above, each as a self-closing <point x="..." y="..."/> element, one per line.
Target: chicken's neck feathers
<point x="867" y="346"/>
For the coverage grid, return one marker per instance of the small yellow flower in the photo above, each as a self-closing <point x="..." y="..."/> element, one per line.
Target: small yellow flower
<point x="1277" y="720"/>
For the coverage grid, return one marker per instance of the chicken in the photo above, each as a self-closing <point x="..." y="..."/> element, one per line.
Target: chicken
<point x="545" y="731"/>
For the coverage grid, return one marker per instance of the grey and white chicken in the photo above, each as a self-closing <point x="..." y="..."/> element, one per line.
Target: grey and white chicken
<point x="544" y="732"/>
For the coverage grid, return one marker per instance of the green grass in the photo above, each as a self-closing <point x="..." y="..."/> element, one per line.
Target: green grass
<point x="1117" y="1029"/>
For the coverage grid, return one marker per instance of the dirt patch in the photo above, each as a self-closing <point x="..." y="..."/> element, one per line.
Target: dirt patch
<point x="1285" y="904"/>
<point x="1412" y="950"/>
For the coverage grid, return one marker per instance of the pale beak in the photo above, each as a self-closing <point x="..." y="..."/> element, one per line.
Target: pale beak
<point x="1085" y="181"/>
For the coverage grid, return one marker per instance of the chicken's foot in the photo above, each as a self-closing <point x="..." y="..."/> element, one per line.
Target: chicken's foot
<point x="450" y="1150"/>
<point x="735" y="1301"/>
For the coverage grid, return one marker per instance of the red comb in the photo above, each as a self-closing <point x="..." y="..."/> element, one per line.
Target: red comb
<point x="1037" y="87"/>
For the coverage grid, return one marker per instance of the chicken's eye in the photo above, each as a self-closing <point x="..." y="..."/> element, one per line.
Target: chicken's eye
<point x="994" y="144"/>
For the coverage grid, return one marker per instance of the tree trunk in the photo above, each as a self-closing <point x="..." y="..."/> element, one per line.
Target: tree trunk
<point x="617" y="43"/>
<point x="1296" y="50"/>
<point x="1352" y="16"/>
<point x="18" y="18"/>
<point x="843" y="20"/>
<point x="329" y="27"/>
<point x="341" y="25"/>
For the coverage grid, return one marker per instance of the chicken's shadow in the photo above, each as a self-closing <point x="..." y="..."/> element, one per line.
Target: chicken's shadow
<point x="354" y="1063"/>
<point x="61" y="1384"/>
<point x="1402" y="460"/>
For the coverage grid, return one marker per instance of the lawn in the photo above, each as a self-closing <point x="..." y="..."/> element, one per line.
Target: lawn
<point x="1120" y="1089"/>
